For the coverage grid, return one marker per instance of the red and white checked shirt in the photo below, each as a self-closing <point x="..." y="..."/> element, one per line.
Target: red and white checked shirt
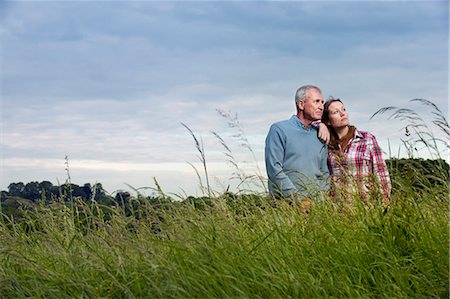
<point x="359" y="167"/>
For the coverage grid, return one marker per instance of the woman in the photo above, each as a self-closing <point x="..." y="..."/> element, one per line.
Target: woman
<point x="354" y="159"/>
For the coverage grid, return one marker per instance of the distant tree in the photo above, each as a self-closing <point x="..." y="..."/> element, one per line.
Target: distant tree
<point x="86" y="192"/>
<point x="45" y="185"/>
<point x="100" y="196"/>
<point x="71" y="191"/>
<point x="77" y="191"/>
<point x="47" y="190"/>
<point x="99" y="192"/>
<point x="16" y="189"/>
<point x="419" y="173"/>
<point x="3" y="195"/>
<point x="122" y="197"/>
<point x="32" y="191"/>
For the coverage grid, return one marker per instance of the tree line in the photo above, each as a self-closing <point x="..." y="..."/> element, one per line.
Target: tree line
<point x="418" y="172"/>
<point x="47" y="192"/>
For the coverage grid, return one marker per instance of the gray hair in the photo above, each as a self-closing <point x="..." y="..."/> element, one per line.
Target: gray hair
<point x="300" y="95"/>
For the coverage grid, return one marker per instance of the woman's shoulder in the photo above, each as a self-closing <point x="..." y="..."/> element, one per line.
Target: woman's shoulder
<point x="366" y="137"/>
<point x="364" y="134"/>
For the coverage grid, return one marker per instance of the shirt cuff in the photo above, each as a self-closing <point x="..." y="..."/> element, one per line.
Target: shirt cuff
<point x="315" y="124"/>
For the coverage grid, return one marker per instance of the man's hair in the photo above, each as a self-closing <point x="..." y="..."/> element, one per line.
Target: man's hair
<point x="300" y="95"/>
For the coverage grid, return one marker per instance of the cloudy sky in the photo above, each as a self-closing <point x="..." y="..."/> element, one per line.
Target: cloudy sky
<point x="108" y="83"/>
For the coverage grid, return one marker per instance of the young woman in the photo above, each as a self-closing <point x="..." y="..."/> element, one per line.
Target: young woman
<point x="355" y="161"/>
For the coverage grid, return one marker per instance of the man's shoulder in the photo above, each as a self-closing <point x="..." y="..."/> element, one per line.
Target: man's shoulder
<point x="282" y="123"/>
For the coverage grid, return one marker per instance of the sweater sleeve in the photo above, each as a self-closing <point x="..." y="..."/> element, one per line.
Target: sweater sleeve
<point x="324" y="167"/>
<point x="274" y="154"/>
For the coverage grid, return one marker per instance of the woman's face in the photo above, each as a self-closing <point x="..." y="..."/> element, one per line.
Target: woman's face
<point x="337" y="115"/>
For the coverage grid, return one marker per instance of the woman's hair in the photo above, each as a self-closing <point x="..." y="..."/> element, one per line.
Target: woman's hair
<point x="326" y="109"/>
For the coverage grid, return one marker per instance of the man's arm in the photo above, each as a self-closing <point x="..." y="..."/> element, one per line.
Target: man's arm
<point x="323" y="132"/>
<point x="274" y="153"/>
<point x="324" y="162"/>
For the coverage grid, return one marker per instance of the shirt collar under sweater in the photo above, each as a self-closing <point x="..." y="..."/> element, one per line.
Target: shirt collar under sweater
<point x="297" y="122"/>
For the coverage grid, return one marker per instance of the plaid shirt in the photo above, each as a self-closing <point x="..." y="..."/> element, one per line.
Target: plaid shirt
<point x="359" y="167"/>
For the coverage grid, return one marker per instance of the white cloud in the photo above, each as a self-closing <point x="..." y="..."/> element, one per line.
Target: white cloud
<point x="111" y="95"/>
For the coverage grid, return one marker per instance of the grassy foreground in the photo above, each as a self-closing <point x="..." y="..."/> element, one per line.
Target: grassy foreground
<point x="231" y="247"/>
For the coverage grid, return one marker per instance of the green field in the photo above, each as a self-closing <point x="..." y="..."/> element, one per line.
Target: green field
<point x="228" y="246"/>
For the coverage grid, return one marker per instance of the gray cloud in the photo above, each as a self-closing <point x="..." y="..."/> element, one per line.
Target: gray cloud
<point x="115" y="92"/>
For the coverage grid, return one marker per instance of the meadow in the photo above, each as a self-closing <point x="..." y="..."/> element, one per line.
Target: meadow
<point x="229" y="247"/>
<point x="225" y="245"/>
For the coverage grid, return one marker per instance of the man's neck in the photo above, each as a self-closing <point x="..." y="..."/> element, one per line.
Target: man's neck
<point x="305" y="122"/>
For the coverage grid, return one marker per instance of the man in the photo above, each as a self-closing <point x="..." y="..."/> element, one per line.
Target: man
<point x="296" y="160"/>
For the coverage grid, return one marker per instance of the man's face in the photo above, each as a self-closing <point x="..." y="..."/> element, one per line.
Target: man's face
<point x="313" y="105"/>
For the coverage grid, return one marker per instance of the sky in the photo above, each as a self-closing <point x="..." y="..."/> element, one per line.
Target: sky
<point x="109" y="84"/>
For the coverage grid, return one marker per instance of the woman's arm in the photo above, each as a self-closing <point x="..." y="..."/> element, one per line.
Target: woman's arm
<point x="380" y="170"/>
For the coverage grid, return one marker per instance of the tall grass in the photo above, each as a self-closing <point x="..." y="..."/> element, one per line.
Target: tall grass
<point x="202" y="157"/>
<point x="431" y="135"/>
<point x="229" y="246"/>
<point x="420" y="133"/>
<point x="255" y="179"/>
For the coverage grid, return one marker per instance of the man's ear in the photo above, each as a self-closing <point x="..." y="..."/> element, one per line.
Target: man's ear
<point x="301" y="105"/>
